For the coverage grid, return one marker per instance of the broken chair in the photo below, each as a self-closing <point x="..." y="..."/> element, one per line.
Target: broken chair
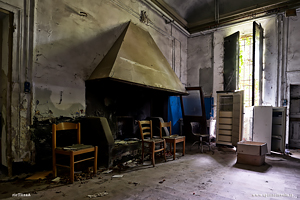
<point x="146" y="129"/>
<point x="71" y="151"/>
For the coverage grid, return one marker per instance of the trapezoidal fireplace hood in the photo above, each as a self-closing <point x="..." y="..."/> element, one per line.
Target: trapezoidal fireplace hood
<point x="136" y="59"/>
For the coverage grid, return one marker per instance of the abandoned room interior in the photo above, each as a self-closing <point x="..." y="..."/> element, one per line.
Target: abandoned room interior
<point x="149" y="99"/>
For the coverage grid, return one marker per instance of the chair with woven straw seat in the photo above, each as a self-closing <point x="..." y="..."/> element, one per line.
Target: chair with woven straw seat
<point x="146" y="129"/>
<point x="172" y="139"/>
<point x="73" y="150"/>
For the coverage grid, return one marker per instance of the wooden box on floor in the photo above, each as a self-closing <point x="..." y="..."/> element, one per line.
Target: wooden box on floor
<point x="251" y="153"/>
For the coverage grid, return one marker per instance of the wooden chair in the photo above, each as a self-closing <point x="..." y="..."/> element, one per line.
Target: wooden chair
<point x="146" y="129"/>
<point x="172" y="139"/>
<point x="72" y="150"/>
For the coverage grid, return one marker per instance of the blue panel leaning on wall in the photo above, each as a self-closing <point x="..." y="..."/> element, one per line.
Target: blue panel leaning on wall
<point x="209" y="111"/>
<point x="174" y="113"/>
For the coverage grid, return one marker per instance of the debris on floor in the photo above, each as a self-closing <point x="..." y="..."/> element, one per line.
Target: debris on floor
<point x="91" y="169"/>
<point x="275" y="158"/>
<point x="133" y="183"/>
<point x="162" y="181"/>
<point x="39" y="175"/>
<point x="117" y="176"/>
<point x="107" y="171"/>
<point x="227" y="149"/>
<point x="57" y="179"/>
<point x="84" y="176"/>
<point x="131" y="163"/>
<point x="287" y="152"/>
<point x="101" y="194"/>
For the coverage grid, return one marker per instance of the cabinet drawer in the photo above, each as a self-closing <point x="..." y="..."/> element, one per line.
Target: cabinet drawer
<point x="225" y="132"/>
<point x="226" y="127"/>
<point x="224" y="138"/>
<point x="225" y="120"/>
<point x="225" y="114"/>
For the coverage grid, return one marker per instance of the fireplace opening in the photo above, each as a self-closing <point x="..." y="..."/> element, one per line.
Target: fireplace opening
<point x="124" y="104"/>
<point x="125" y="127"/>
<point x="119" y="106"/>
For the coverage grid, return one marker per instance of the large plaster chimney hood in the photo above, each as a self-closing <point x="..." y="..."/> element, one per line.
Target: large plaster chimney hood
<point x="136" y="59"/>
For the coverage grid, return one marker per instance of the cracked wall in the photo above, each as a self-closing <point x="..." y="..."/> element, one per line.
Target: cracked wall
<point x="68" y="47"/>
<point x="56" y="46"/>
<point x="71" y="39"/>
<point x="4" y="86"/>
<point x="18" y="144"/>
<point x="207" y="52"/>
<point x="292" y="68"/>
<point x="199" y="61"/>
<point x="280" y="63"/>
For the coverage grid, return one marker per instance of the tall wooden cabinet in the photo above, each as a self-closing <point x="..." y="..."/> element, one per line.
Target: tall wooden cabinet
<point x="229" y="122"/>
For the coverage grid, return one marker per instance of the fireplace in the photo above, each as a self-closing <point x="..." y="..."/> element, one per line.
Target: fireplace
<point x="132" y="82"/>
<point x="124" y="104"/>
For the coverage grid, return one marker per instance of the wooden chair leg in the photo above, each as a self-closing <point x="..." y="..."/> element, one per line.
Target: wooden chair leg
<point x="54" y="165"/>
<point x="174" y="149"/>
<point x="153" y="153"/>
<point x="183" y="148"/>
<point x="165" y="146"/>
<point x="143" y="152"/>
<point x="95" y="160"/>
<point x="72" y="167"/>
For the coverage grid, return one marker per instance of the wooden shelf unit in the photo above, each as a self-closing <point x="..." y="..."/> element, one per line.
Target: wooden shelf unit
<point x="229" y="117"/>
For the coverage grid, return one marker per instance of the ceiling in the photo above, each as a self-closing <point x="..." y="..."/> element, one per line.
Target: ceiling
<point x="199" y="15"/>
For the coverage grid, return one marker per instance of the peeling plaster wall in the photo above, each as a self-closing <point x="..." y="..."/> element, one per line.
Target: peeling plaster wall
<point x="71" y="37"/>
<point x="291" y="70"/>
<point x="200" y="55"/>
<point x="3" y="87"/>
<point x="293" y="59"/>
<point x="69" y="46"/>
<point x="17" y="139"/>
<point x="281" y="57"/>
<point x="16" y="3"/>
<point x="270" y="62"/>
<point x="56" y="46"/>
<point x="293" y="53"/>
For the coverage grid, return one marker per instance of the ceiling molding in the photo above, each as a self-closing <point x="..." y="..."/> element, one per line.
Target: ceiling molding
<point x="248" y="13"/>
<point x="167" y="9"/>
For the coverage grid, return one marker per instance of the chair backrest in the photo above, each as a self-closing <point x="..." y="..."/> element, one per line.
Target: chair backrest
<point x="165" y="124"/>
<point x="145" y="128"/>
<point x="197" y="128"/>
<point x="65" y="126"/>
